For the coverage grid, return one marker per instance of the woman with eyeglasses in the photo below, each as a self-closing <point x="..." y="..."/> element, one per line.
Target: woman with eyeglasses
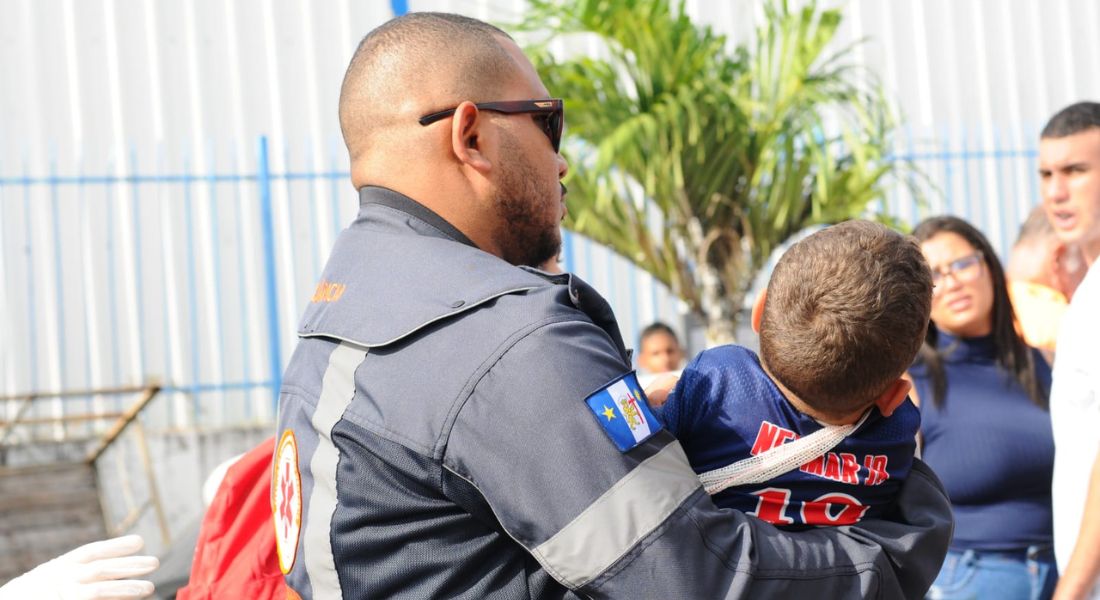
<point x="984" y="423"/>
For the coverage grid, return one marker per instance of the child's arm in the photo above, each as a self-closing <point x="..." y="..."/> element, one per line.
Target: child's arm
<point x="658" y="390"/>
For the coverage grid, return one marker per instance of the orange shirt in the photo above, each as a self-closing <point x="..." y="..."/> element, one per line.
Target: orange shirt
<point x="1039" y="311"/>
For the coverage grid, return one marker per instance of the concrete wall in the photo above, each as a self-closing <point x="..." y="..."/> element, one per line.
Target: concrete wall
<point x="182" y="461"/>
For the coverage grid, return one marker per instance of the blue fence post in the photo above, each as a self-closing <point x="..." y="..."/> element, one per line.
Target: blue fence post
<point x="263" y="179"/>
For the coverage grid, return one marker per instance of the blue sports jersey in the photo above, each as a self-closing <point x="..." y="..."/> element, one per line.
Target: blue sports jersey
<point x="726" y="408"/>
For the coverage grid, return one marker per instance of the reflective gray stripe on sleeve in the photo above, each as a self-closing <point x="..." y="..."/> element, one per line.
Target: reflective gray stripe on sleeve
<point x="606" y="530"/>
<point x="337" y="390"/>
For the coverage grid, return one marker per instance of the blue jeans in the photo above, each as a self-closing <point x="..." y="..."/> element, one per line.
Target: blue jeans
<point x="976" y="575"/>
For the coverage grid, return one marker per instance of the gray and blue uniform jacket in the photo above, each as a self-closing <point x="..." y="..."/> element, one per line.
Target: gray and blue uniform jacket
<point x="438" y="445"/>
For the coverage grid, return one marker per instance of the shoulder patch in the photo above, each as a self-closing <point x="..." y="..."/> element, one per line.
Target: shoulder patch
<point x="622" y="409"/>
<point x="286" y="500"/>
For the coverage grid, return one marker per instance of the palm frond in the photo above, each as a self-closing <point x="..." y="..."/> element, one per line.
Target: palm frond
<point x="735" y="151"/>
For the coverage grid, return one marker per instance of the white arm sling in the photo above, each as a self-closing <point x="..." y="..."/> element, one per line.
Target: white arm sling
<point x="778" y="460"/>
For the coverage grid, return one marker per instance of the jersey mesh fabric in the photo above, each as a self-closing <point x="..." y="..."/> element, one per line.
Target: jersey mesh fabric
<point x="725" y="403"/>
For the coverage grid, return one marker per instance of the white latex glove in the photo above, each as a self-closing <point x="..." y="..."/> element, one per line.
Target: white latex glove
<point x="95" y="571"/>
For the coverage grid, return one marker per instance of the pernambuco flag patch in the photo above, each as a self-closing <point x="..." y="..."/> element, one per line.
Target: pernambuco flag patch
<point x="622" y="410"/>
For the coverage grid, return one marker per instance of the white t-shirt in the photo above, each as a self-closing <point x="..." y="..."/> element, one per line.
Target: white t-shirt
<point x="645" y="377"/>
<point x="1075" y="413"/>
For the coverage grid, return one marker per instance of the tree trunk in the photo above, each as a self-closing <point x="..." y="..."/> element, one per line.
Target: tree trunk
<point x="718" y="300"/>
<point x="720" y="333"/>
<point x="720" y="311"/>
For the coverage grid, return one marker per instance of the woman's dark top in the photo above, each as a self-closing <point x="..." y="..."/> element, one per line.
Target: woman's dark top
<point x="990" y="445"/>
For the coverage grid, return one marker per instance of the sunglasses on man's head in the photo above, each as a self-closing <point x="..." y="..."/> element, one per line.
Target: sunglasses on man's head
<point x="550" y="114"/>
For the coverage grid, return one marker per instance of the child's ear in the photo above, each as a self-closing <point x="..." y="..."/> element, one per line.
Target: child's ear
<point x="758" y="310"/>
<point x="891" y="399"/>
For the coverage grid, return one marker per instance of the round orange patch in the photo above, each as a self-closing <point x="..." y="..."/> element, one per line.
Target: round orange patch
<point x="286" y="500"/>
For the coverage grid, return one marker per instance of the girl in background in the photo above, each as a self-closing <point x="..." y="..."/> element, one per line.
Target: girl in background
<point x="985" y="424"/>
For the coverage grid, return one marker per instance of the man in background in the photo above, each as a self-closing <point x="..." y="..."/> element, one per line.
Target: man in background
<point x="1043" y="272"/>
<point x="1069" y="171"/>
<point x="659" y="351"/>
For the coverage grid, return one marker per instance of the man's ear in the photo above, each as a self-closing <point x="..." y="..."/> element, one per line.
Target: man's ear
<point x="467" y="136"/>
<point x="758" y="310"/>
<point x="891" y="399"/>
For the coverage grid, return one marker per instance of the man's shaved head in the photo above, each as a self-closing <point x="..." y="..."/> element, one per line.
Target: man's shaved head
<point x="495" y="176"/>
<point x="418" y="62"/>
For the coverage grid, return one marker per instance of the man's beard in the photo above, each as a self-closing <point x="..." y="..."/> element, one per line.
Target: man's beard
<point x="525" y="237"/>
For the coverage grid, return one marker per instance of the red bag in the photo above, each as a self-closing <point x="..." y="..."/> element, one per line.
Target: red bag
<point x="235" y="555"/>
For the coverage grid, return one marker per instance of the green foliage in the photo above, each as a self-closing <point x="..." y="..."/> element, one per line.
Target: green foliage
<point x="690" y="158"/>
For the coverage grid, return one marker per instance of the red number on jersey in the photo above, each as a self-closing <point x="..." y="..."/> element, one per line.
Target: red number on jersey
<point x="833" y="508"/>
<point x="772" y="506"/>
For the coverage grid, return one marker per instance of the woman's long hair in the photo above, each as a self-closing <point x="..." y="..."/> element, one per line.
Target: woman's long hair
<point x="1010" y="351"/>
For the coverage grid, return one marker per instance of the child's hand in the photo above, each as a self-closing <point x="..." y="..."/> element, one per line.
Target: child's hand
<point x="551" y="266"/>
<point x="659" y="389"/>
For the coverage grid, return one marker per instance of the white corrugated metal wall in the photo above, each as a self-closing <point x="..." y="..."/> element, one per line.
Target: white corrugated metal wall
<point x="138" y="241"/>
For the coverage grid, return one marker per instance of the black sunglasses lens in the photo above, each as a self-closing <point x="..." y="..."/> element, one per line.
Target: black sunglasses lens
<point x="553" y="128"/>
<point x="549" y="122"/>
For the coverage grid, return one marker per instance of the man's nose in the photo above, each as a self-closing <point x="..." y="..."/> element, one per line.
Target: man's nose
<point x="1055" y="189"/>
<point x="563" y="166"/>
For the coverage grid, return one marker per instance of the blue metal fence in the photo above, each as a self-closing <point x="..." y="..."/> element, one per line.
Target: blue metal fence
<point x="63" y="248"/>
<point x="195" y="280"/>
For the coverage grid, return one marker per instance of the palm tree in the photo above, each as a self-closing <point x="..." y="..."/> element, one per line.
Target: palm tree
<point x="695" y="162"/>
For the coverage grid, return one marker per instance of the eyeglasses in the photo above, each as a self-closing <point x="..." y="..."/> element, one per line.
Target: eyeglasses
<point x="550" y="114"/>
<point x="964" y="270"/>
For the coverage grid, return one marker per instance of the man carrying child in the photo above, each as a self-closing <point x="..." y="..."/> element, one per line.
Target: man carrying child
<point x="843" y="316"/>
